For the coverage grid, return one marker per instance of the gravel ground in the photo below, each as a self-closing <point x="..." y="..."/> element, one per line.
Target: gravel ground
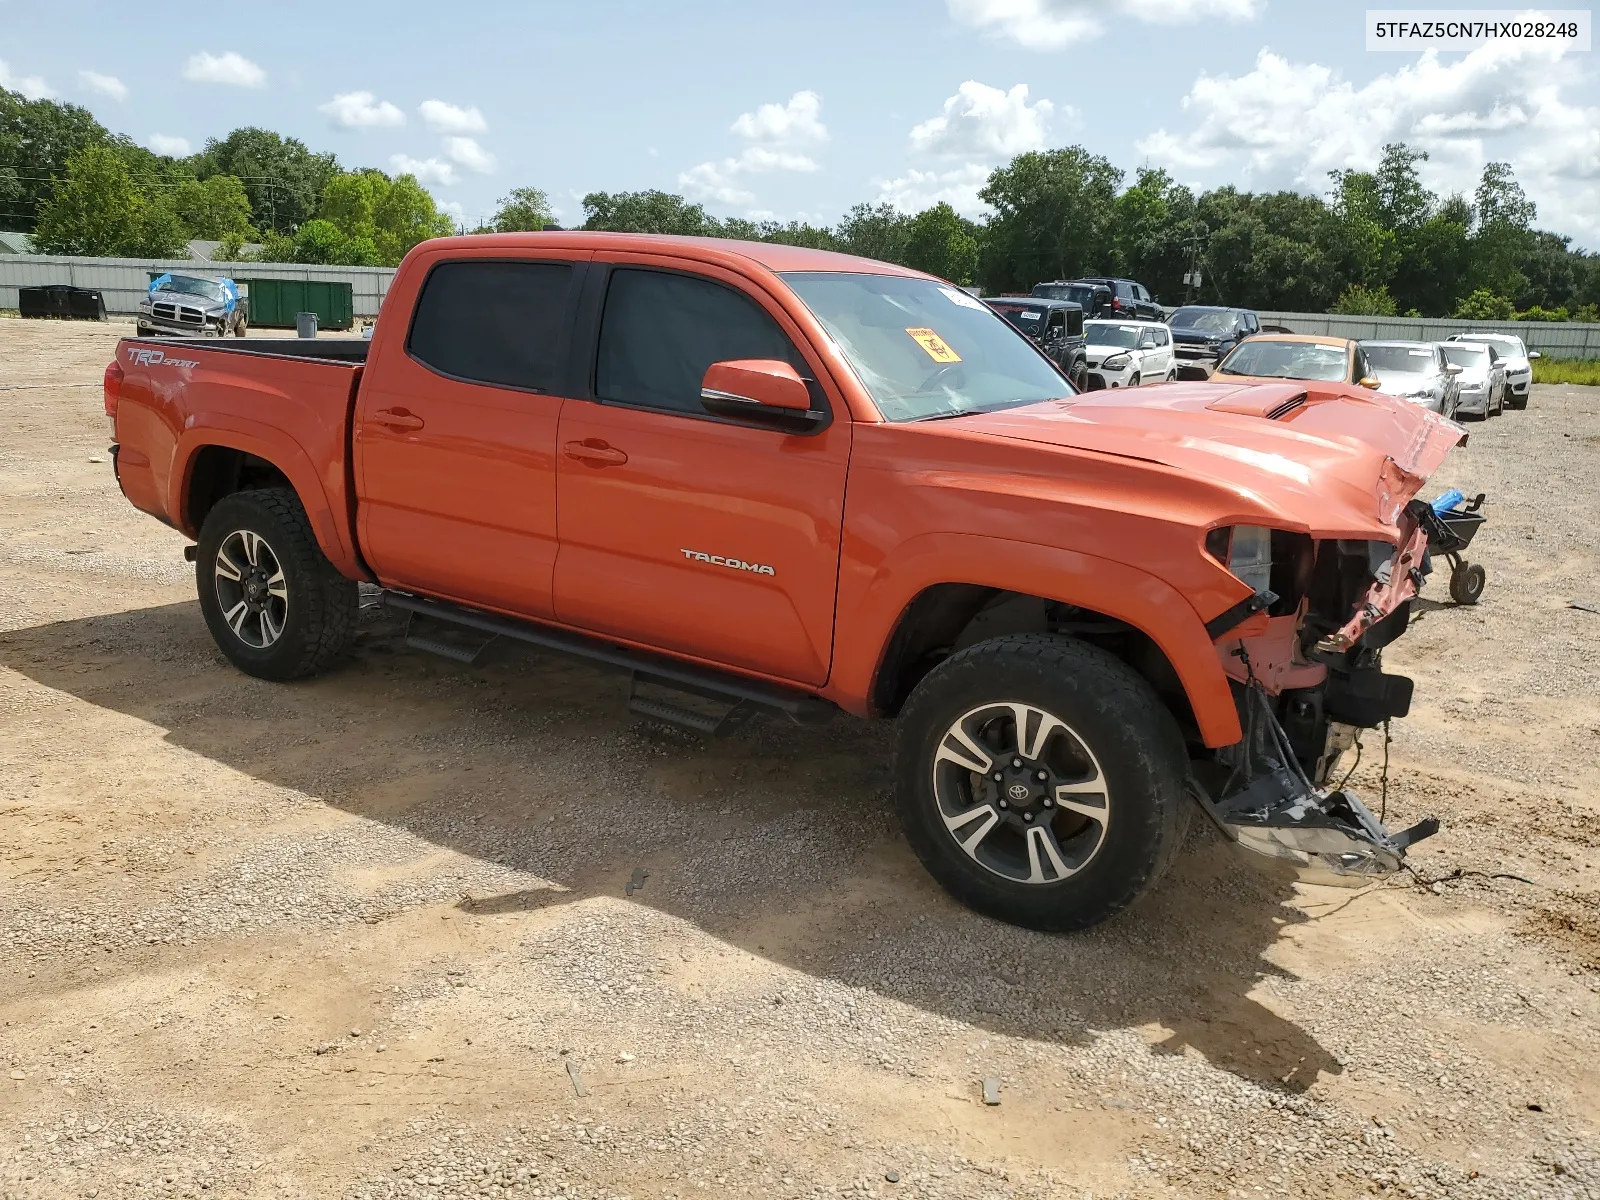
<point x="372" y="935"/>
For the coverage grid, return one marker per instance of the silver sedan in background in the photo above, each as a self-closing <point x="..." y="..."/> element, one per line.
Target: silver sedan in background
<point x="1482" y="380"/>
<point x="1415" y="371"/>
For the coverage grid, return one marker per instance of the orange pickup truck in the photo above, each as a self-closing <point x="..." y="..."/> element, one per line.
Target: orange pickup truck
<point x="765" y="479"/>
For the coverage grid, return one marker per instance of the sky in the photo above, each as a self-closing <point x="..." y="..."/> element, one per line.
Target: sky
<point x="800" y="111"/>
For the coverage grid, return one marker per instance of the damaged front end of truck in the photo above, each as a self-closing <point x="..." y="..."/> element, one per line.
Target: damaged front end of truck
<point x="1308" y="680"/>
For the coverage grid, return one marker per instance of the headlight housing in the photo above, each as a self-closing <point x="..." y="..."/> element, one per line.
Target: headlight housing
<point x="1116" y="362"/>
<point x="1275" y="561"/>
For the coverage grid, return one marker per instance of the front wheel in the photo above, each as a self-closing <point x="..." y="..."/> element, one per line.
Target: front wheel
<point x="1134" y="381"/>
<point x="1466" y="583"/>
<point x="239" y="326"/>
<point x="1041" y="781"/>
<point x="275" y="605"/>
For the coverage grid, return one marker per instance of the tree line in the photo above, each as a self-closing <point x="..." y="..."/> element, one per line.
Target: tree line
<point x="1377" y="242"/>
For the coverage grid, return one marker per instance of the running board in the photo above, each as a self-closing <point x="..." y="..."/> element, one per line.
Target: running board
<point x="742" y="696"/>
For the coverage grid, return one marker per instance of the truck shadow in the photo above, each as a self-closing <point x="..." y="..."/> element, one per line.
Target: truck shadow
<point x="778" y="839"/>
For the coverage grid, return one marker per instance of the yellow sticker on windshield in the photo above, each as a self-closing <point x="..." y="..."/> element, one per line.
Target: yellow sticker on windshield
<point x="938" y="349"/>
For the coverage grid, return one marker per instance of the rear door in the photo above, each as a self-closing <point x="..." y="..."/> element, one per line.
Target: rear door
<point x="694" y="533"/>
<point x="455" y="433"/>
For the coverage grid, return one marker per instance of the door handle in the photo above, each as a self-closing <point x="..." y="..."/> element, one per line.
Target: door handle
<point x="397" y="418"/>
<point x="595" y="452"/>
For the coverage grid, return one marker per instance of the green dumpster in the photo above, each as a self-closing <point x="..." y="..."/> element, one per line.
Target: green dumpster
<point x="274" y="302"/>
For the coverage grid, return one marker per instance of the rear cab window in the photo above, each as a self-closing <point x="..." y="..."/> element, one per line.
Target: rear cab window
<point x="500" y="323"/>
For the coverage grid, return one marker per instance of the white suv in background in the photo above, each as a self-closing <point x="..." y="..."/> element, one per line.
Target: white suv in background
<point x="1128" y="353"/>
<point x="1514" y="356"/>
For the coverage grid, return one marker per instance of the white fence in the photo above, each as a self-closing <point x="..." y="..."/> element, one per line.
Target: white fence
<point x="124" y="281"/>
<point x="1553" y="339"/>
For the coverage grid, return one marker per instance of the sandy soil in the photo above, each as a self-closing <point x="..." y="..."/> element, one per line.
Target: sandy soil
<point x="372" y="935"/>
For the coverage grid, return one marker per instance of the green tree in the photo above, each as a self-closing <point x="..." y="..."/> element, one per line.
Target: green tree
<point x="942" y="242"/>
<point x="1054" y="217"/>
<point x="350" y="201"/>
<point x="1502" y="238"/>
<point x="405" y="215"/>
<point x="215" y="208"/>
<point x="37" y="137"/>
<point x="879" y="232"/>
<point x="1157" y="232"/>
<point x="647" y="212"/>
<point x="282" y="178"/>
<point x="98" y="209"/>
<point x="1360" y="301"/>
<point x="524" y="208"/>
<point x="318" y="241"/>
<point x="1484" y="305"/>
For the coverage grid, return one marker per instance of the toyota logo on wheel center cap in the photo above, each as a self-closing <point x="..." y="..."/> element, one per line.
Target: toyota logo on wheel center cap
<point x="1017" y="791"/>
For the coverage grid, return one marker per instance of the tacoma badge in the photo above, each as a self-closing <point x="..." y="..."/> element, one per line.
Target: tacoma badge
<point x="738" y="564"/>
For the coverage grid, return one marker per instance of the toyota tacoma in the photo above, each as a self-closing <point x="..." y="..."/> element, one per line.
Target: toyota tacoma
<point x="769" y="479"/>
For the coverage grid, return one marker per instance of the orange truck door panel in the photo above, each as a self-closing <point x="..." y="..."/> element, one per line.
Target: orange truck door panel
<point x="700" y="535"/>
<point x="455" y="434"/>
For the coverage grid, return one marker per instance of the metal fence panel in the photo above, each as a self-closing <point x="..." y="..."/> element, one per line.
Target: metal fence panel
<point x="124" y="281"/>
<point x="1553" y="339"/>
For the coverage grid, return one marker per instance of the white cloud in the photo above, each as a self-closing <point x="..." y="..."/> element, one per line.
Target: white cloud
<point x="106" y="85"/>
<point x="361" y="110"/>
<point x="982" y="122"/>
<point x="774" y="134"/>
<point x="427" y="170"/>
<point x="449" y="118"/>
<point x="469" y="154"/>
<point x="917" y="190"/>
<point x="1054" y="24"/>
<point x="1286" y="122"/>
<point x="455" y="208"/>
<point x="795" y="123"/>
<point x="234" y="70"/>
<point x="170" y="144"/>
<point x="31" y="86"/>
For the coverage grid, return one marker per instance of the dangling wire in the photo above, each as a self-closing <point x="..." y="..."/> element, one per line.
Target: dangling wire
<point x="1352" y="769"/>
<point x="1383" y="807"/>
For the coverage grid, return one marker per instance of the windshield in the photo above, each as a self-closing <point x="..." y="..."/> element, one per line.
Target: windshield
<point x="925" y="349"/>
<point x="1123" y="337"/>
<point x="1080" y="294"/>
<point x="1287" y="360"/>
<point x="1461" y="355"/>
<point x="1402" y="360"/>
<point x="190" y="286"/>
<point x="1203" y="320"/>
<point x="1505" y="347"/>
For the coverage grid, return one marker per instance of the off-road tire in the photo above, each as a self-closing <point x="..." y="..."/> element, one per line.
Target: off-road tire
<point x="321" y="606"/>
<point x="240" y="327"/>
<point x="1114" y="713"/>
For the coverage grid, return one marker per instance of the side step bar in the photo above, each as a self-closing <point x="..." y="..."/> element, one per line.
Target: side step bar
<point x="740" y="696"/>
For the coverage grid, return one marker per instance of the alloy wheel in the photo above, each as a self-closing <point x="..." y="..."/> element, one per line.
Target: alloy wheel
<point x="1021" y="793"/>
<point x="251" y="589"/>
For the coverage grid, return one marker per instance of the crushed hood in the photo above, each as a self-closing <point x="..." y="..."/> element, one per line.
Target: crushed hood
<point x="1329" y="459"/>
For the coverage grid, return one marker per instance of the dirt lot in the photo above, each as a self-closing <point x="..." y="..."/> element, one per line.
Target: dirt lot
<point x="372" y="935"/>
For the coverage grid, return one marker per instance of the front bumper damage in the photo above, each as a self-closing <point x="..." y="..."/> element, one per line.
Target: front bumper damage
<point x="1268" y="805"/>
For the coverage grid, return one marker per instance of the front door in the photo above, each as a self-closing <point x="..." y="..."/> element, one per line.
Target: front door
<point x="455" y="434"/>
<point x="685" y="531"/>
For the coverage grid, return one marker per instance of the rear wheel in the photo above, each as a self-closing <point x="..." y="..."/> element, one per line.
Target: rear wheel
<point x="273" y="602"/>
<point x="1041" y="781"/>
<point x="1078" y="376"/>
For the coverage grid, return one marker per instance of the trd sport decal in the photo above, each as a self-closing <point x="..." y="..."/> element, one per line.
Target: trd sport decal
<point x="737" y="564"/>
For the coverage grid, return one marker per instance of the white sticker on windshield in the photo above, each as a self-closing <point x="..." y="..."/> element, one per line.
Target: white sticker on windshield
<point x="957" y="296"/>
<point x="1420" y="353"/>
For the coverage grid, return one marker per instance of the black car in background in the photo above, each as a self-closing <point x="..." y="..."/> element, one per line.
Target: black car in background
<point x="1129" y="299"/>
<point x="1202" y="334"/>
<point x="1095" y="299"/>
<point x="1055" y="326"/>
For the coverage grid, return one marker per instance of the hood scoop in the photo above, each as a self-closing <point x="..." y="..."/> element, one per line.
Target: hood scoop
<point x="1271" y="402"/>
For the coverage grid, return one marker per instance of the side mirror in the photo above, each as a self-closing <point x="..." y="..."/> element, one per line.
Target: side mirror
<point x="1452" y="369"/>
<point x="759" y="388"/>
<point x="1369" y="382"/>
<point x="1147" y="343"/>
<point x="1532" y="354"/>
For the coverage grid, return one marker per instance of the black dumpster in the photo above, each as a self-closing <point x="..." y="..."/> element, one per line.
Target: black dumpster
<point x="62" y="301"/>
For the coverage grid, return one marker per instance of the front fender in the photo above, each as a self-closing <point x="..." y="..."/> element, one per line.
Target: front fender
<point x="875" y="601"/>
<point x="274" y="446"/>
